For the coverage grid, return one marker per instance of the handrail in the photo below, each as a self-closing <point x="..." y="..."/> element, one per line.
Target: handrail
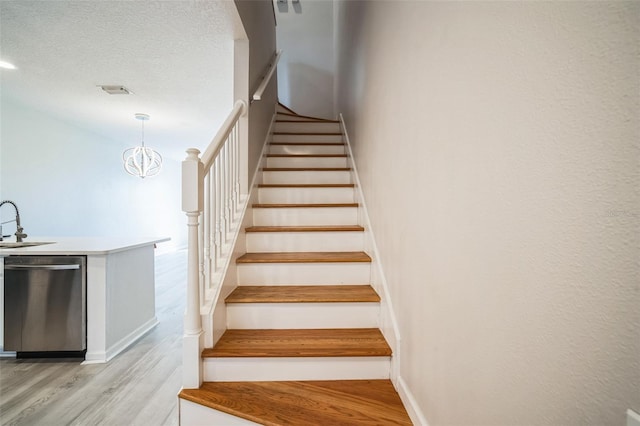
<point x="257" y="96"/>
<point x="214" y="189"/>
<point x="212" y="151"/>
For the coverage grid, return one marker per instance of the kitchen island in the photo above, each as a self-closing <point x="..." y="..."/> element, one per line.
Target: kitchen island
<point x="120" y="288"/>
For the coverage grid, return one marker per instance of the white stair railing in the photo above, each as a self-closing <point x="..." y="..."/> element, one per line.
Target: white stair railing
<point x="212" y="189"/>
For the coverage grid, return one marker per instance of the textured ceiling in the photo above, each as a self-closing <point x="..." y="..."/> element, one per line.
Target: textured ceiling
<point x="175" y="56"/>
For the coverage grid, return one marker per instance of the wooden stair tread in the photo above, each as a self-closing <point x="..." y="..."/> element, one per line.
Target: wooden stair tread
<point x="306" y="156"/>
<point x="315" y="228"/>
<point x="305" y="257"/>
<point x="306" y="169"/>
<point x="307" y="185"/>
<point x="309" y="133"/>
<point x="312" y="119"/>
<point x="309" y="205"/>
<point x="325" y="342"/>
<point x="303" y="294"/>
<point x="321" y="403"/>
<point x="308" y="143"/>
<point x="280" y="104"/>
<point x="308" y="119"/>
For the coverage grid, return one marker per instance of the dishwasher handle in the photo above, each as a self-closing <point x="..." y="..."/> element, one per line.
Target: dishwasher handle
<point x="45" y="267"/>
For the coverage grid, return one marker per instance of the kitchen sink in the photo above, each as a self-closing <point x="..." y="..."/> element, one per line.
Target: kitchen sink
<point x="14" y="244"/>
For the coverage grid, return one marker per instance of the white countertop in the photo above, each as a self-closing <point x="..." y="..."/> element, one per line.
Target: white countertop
<point x="81" y="245"/>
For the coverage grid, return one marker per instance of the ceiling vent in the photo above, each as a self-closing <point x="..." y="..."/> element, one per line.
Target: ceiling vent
<point x="116" y="90"/>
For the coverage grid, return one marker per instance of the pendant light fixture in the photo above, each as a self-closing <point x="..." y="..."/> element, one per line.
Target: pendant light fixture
<point x="140" y="160"/>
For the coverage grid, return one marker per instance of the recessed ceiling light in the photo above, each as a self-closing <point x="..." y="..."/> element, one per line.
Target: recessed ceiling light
<point x="7" y="65"/>
<point x="116" y="90"/>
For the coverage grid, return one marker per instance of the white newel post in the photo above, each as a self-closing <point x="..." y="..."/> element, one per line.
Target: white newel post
<point x="192" y="205"/>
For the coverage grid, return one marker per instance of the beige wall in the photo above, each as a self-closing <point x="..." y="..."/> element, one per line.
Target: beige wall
<point x="259" y="24"/>
<point x="498" y="148"/>
<point x="307" y="67"/>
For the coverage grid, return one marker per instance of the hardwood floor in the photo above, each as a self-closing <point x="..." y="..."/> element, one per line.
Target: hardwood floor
<point x="138" y="387"/>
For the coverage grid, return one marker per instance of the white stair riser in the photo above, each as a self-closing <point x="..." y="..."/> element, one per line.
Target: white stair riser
<point x="303" y="368"/>
<point x="301" y="216"/>
<point x="194" y="414"/>
<point x="306" y="177"/>
<point x="308" y="127"/>
<point x="261" y="242"/>
<point x="307" y="162"/>
<point x="304" y="273"/>
<point x="306" y="195"/>
<point x="306" y="138"/>
<point x="302" y="315"/>
<point x="307" y="149"/>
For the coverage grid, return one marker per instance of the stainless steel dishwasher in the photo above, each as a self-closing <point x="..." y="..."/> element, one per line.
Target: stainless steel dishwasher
<point x="45" y="306"/>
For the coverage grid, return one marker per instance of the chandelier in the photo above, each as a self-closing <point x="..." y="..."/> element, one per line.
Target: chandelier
<point x="140" y="160"/>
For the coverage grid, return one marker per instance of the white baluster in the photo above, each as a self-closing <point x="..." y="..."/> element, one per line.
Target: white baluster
<point x="218" y="212"/>
<point x="230" y="211"/>
<point x="204" y="232"/>
<point x="236" y="141"/>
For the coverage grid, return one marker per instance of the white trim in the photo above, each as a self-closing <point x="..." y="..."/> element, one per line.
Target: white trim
<point x="388" y="322"/>
<point x="633" y="418"/>
<point x="410" y="403"/>
<point x="106" y="356"/>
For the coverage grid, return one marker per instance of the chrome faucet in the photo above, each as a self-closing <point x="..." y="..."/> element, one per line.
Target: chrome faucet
<point x="19" y="230"/>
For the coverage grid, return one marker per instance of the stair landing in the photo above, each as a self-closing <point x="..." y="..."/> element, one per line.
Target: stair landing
<point x="343" y="402"/>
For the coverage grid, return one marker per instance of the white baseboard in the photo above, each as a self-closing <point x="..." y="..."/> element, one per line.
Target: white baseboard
<point x="388" y="320"/>
<point x="102" y="357"/>
<point x="410" y="403"/>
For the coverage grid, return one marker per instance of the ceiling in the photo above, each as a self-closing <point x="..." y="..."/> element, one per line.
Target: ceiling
<point x="175" y="56"/>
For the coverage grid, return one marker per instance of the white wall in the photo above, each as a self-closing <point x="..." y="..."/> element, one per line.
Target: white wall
<point x="497" y="144"/>
<point x="306" y="70"/>
<point x="259" y="25"/>
<point x="68" y="181"/>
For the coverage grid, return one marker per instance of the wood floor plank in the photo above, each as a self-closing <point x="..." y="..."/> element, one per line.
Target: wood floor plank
<point x="338" y="342"/>
<point x="347" y="402"/>
<point x="303" y="294"/>
<point x="308" y="205"/>
<point x="316" y="228"/>
<point x="305" y="257"/>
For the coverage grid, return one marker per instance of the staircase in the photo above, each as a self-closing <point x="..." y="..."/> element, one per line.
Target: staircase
<point x="302" y="344"/>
